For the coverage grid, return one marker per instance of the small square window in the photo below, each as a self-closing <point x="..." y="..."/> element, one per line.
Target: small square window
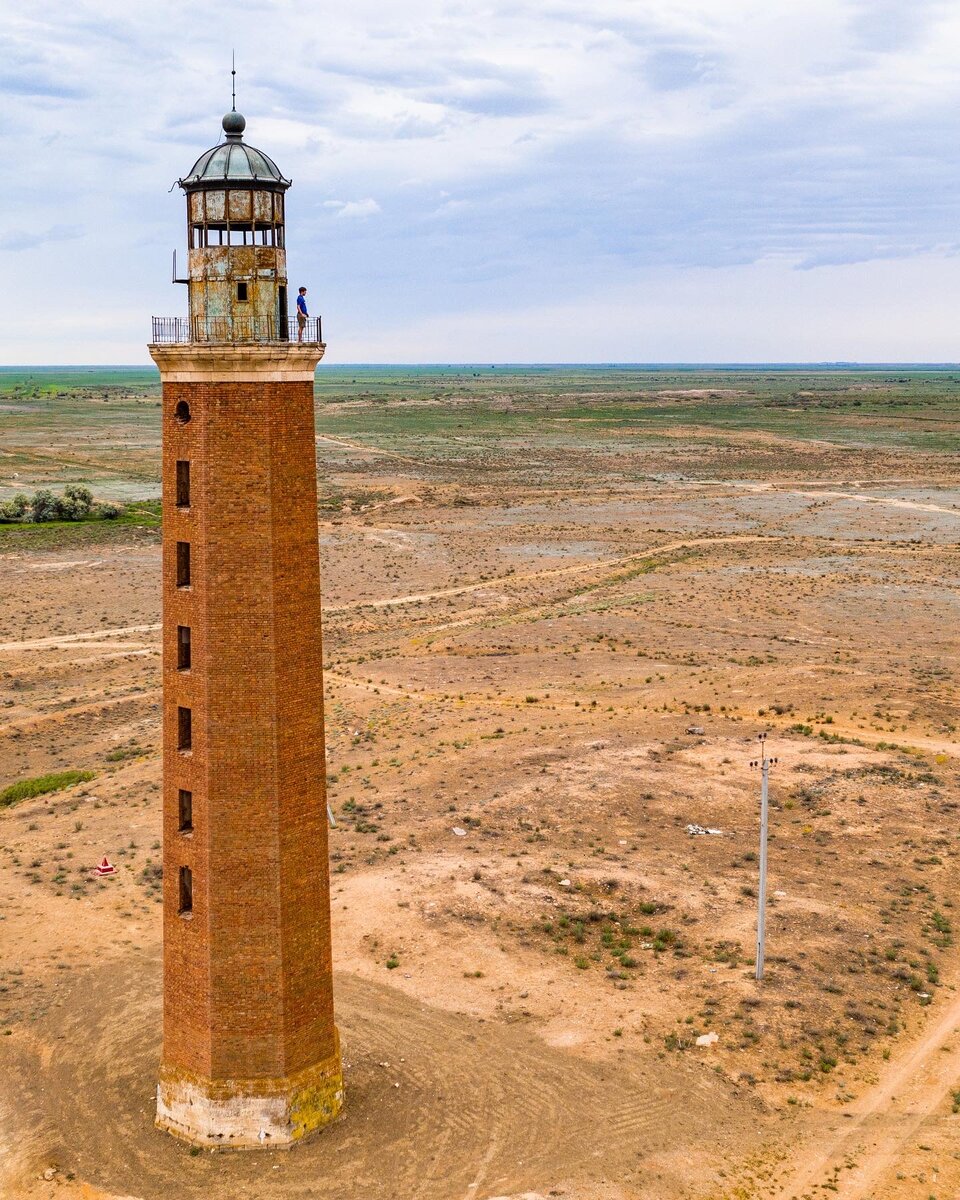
<point x="186" y="890"/>
<point x="183" y="484"/>
<point x="183" y="564"/>
<point x="183" y="647"/>
<point x="184" y="729"/>
<point x="185" y="813"/>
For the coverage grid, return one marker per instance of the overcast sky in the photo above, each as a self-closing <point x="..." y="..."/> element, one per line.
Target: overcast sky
<point x="539" y="180"/>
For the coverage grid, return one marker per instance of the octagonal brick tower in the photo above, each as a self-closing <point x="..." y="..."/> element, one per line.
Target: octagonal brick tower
<point x="250" y="1050"/>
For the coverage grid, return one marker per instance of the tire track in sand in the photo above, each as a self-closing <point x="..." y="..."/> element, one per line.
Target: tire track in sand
<point x="59" y="641"/>
<point x="440" y="1105"/>
<point x="509" y="581"/>
<point x="879" y="1126"/>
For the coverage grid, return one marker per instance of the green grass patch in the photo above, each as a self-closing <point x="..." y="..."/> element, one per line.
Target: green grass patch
<point x="140" y="520"/>
<point x="27" y="789"/>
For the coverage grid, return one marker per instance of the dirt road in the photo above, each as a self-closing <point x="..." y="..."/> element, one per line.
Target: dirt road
<point x="875" y="1130"/>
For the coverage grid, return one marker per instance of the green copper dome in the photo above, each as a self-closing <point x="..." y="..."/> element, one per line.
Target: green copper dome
<point x="234" y="163"/>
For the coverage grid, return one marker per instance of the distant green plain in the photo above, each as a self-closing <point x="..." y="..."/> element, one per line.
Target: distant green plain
<point x="101" y="425"/>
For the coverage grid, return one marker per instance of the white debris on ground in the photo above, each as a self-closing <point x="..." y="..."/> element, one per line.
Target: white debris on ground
<point x="459" y="832"/>
<point x="708" y="1039"/>
<point x="703" y="831"/>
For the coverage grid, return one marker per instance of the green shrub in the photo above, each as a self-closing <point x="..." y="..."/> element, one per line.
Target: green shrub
<point x="45" y="506"/>
<point x="76" y="503"/>
<point x="14" y="510"/>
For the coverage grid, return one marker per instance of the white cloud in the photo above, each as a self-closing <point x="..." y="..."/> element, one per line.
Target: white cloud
<point x="588" y="147"/>
<point x="354" y="208"/>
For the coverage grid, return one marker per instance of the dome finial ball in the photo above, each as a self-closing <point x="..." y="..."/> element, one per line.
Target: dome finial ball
<point x="234" y="123"/>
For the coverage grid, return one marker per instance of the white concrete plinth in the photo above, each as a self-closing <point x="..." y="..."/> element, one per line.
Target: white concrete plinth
<point x="249" y="1113"/>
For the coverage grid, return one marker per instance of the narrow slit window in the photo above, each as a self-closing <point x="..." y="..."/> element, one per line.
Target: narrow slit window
<point x="186" y="890"/>
<point x="183" y="647"/>
<point x="183" y="564"/>
<point x="183" y="483"/>
<point x="184" y="729"/>
<point x="241" y="291"/>
<point x="185" y="802"/>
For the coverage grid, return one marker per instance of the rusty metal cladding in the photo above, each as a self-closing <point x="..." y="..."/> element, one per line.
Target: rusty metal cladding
<point x="236" y="242"/>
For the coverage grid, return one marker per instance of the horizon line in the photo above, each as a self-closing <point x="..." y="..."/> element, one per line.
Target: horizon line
<point x="770" y="364"/>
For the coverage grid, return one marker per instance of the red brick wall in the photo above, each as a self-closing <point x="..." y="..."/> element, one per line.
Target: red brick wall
<point x="247" y="978"/>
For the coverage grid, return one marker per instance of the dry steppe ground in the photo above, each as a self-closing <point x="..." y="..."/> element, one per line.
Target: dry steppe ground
<point x="559" y="607"/>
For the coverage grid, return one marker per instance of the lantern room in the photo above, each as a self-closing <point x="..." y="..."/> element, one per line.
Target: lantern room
<point x="237" y="277"/>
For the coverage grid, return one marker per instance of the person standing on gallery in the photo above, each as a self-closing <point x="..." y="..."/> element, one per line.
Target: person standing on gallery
<point x="302" y="313"/>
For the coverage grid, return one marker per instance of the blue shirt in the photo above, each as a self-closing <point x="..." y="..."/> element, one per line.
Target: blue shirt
<point x="302" y="305"/>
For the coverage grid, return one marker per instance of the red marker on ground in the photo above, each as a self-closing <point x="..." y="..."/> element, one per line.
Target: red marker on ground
<point x="105" y="868"/>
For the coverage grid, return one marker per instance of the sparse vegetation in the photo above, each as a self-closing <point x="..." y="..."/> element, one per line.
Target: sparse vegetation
<point x="514" y="656"/>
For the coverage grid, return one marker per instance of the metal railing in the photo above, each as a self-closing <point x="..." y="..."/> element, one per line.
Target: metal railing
<point x="235" y="329"/>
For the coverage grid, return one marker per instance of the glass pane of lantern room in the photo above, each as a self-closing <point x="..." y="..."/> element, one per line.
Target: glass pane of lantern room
<point x="237" y="167"/>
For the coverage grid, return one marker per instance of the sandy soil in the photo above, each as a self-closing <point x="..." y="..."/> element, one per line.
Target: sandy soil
<point x="568" y="677"/>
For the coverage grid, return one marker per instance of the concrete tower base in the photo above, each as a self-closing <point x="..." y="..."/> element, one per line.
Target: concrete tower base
<point x="249" y="1113"/>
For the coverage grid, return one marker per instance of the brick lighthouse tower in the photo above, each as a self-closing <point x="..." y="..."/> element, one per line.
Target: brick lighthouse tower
<point x="250" y="1051"/>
